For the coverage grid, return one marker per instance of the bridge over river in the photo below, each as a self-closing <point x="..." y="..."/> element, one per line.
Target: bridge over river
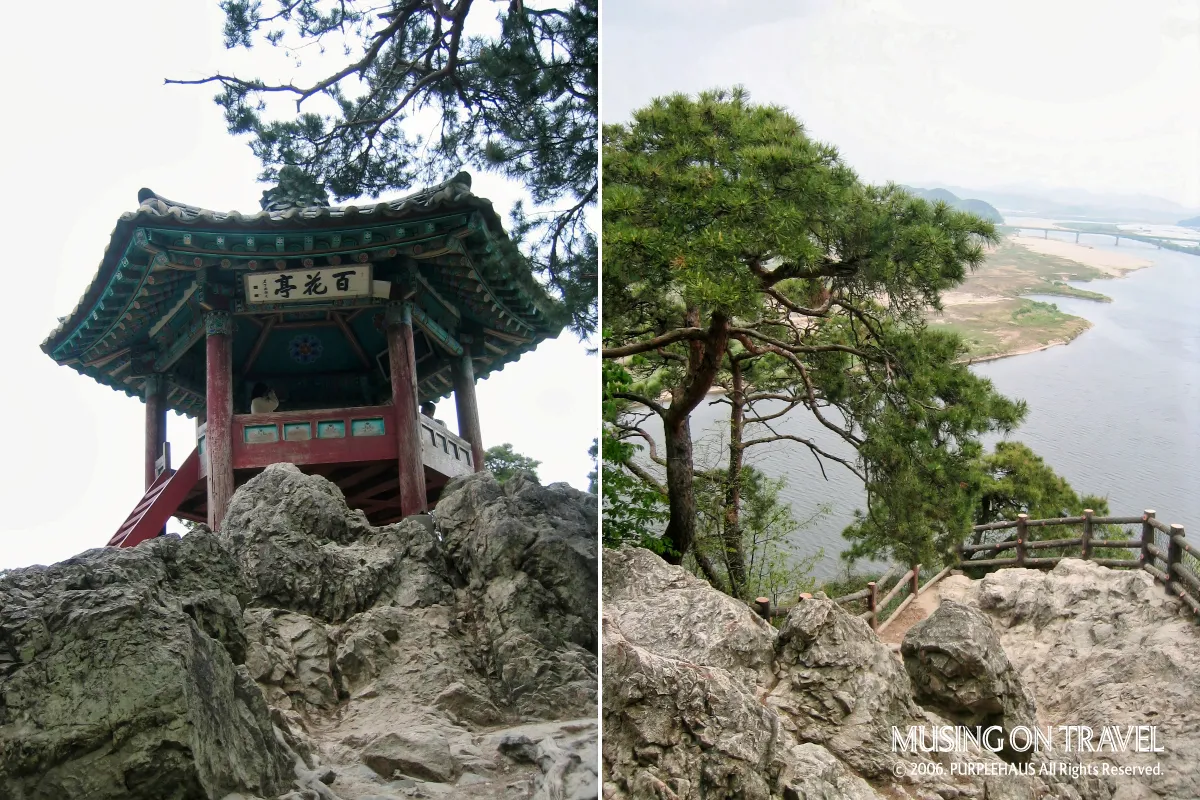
<point x="1180" y="243"/>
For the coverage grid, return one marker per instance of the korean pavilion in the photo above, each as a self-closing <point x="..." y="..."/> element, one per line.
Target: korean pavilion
<point x="354" y="317"/>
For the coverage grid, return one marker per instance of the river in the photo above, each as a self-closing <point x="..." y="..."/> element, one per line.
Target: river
<point x="1116" y="412"/>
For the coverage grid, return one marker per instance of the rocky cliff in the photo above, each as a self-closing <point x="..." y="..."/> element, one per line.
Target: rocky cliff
<point x="1102" y="647"/>
<point x="702" y="699"/>
<point x="303" y="654"/>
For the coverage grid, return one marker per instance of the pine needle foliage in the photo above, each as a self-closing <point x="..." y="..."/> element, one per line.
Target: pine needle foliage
<point x="729" y="232"/>
<point x="521" y="101"/>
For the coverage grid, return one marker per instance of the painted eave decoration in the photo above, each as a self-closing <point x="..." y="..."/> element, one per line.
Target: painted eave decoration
<point x="442" y="249"/>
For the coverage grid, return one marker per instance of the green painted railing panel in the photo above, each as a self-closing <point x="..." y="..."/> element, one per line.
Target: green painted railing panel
<point x="260" y="434"/>
<point x="372" y="426"/>
<point x="331" y="429"/>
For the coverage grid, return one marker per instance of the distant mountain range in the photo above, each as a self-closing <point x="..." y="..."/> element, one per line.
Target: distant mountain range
<point x="977" y="207"/>
<point x="1078" y="204"/>
<point x="1194" y="222"/>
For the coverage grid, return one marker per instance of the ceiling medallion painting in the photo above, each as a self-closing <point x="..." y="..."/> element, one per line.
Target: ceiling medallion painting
<point x="305" y="348"/>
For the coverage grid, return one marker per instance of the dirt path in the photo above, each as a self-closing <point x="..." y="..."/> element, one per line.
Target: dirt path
<point x="917" y="610"/>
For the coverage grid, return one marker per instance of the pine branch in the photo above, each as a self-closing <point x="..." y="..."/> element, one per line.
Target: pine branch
<point x="677" y="335"/>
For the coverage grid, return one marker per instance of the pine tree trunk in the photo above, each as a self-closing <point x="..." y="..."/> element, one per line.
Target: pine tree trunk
<point x="984" y="518"/>
<point x="681" y="491"/>
<point x="709" y="572"/>
<point x="735" y="554"/>
<point x="704" y="359"/>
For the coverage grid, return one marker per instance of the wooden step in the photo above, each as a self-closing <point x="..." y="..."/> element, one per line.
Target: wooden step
<point x="159" y="504"/>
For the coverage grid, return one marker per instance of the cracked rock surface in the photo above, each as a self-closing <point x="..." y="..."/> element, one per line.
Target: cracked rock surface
<point x="959" y="669"/>
<point x="1102" y="647"/>
<point x="304" y="654"/>
<point x="704" y="701"/>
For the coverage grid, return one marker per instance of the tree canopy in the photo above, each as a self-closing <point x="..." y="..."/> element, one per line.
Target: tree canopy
<point x="504" y="462"/>
<point x="1015" y="480"/>
<point x="594" y="475"/>
<point x="921" y="452"/>
<point x="425" y="86"/>
<point x="730" y="234"/>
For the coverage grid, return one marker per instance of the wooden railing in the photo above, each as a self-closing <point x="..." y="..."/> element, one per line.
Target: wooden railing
<point x="444" y="451"/>
<point x="880" y="611"/>
<point x="1163" y="551"/>
<point x="336" y="436"/>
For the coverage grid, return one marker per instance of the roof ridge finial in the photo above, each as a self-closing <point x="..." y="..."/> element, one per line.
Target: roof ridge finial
<point x="449" y="190"/>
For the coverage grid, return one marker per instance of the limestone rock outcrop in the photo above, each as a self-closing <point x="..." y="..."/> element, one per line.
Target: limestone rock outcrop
<point x="838" y="686"/>
<point x="1103" y="647"/>
<point x="703" y="700"/>
<point x="114" y="681"/>
<point x="685" y="716"/>
<point x="527" y="555"/>
<point x="679" y="616"/>
<point x="302" y="653"/>
<point x="959" y="670"/>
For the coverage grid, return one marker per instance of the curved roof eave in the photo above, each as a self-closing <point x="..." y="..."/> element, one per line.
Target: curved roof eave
<point x="451" y="195"/>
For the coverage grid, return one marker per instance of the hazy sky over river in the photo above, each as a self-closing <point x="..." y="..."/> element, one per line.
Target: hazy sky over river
<point x="1091" y="94"/>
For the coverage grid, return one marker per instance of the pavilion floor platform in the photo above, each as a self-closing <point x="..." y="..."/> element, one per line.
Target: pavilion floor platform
<point x="371" y="486"/>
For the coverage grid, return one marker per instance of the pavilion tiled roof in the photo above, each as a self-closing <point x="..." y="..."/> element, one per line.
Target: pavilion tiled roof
<point x="479" y="266"/>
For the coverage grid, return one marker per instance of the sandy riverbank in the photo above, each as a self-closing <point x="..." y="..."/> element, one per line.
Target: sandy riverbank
<point x="1027" y="350"/>
<point x="993" y="311"/>
<point x="1113" y="264"/>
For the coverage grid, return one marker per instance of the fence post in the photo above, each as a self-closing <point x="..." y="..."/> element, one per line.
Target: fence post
<point x="915" y="585"/>
<point x="1087" y="534"/>
<point x="1147" y="535"/>
<point x="763" y="606"/>
<point x="872" y="596"/>
<point x="1174" y="551"/>
<point x="1021" y="520"/>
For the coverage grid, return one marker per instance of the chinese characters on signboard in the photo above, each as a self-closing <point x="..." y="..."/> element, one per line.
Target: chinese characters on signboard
<point x="308" y="285"/>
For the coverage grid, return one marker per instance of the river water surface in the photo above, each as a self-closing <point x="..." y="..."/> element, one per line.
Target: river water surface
<point x="1116" y="412"/>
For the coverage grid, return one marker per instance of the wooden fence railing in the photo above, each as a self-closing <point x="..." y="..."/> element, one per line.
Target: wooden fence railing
<point x="1163" y="551"/>
<point x="879" y="610"/>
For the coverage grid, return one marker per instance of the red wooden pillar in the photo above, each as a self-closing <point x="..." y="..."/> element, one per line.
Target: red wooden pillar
<point x="466" y="405"/>
<point x="403" y="363"/>
<point x="218" y="326"/>
<point x="156" y="422"/>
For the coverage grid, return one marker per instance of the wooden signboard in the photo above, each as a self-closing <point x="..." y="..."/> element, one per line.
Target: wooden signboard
<point x="308" y="285"/>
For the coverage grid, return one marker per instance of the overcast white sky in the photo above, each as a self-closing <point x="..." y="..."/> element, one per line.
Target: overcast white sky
<point x="87" y="121"/>
<point x="1097" y="95"/>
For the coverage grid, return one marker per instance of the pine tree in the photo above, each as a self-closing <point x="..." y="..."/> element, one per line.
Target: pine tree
<point x="726" y="226"/>
<point x="1017" y="481"/>
<point x="504" y="462"/>
<point x="522" y="102"/>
